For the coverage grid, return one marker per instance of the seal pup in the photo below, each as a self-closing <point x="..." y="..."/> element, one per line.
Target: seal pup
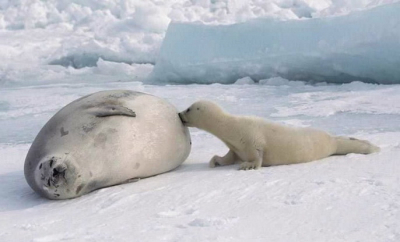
<point x="255" y="142"/>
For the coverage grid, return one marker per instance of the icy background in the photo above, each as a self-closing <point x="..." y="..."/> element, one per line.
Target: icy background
<point x="55" y="51"/>
<point x="361" y="46"/>
<point x="63" y="41"/>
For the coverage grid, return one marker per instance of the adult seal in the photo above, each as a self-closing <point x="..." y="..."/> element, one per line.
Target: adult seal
<point x="104" y="139"/>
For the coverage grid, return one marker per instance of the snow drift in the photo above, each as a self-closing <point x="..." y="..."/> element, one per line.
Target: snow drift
<point x="363" y="46"/>
<point x="63" y="41"/>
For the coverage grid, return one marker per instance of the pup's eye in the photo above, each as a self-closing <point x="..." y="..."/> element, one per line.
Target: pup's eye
<point x="188" y="110"/>
<point x="198" y="108"/>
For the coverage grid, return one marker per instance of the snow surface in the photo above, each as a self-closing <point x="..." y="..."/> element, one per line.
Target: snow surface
<point x="56" y="51"/>
<point x="342" y="198"/>
<point x="362" y="46"/>
<point x="43" y="42"/>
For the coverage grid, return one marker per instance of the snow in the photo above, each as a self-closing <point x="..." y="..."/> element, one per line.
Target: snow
<point x="40" y="40"/>
<point x="56" y="51"/>
<point x="244" y="81"/>
<point x="278" y="81"/>
<point x="362" y="46"/>
<point x="342" y="198"/>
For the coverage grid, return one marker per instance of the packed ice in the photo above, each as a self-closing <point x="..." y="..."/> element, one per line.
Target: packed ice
<point x="59" y="41"/>
<point x="362" y="46"/>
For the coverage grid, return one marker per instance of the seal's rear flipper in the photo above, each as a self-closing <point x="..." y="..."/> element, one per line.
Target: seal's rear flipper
<point x="113" y="110"/>
<point x="346" y="145"/>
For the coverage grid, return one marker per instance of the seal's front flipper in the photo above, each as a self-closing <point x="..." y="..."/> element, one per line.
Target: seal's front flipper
<point x="113" y="110"/>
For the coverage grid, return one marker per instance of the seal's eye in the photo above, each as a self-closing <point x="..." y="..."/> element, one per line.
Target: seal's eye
<point x="198" y="108"/>
<point x="188" y="110"/>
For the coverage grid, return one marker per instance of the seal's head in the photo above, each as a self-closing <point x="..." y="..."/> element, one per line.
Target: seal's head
<point x="200" y="114"/>
<point x="57" y="177"/>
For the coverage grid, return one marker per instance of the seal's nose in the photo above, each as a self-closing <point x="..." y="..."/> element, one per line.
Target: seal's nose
<point x="58" y="175"/>
<point x="52" y="171"/>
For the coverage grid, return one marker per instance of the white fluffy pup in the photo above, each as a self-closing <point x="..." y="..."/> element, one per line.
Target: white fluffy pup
<point x="255" y="142"/>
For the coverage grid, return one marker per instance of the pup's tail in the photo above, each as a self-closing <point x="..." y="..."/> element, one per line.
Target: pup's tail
<point x="346" y="145"/>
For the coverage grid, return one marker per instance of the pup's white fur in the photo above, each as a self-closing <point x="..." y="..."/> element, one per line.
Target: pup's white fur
<point x="256" y="142"/>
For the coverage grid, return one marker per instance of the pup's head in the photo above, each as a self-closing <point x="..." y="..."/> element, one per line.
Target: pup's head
<point x="200" y="113"/>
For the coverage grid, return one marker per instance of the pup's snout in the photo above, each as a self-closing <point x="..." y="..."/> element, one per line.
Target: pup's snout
<point x="182" y="118"/>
